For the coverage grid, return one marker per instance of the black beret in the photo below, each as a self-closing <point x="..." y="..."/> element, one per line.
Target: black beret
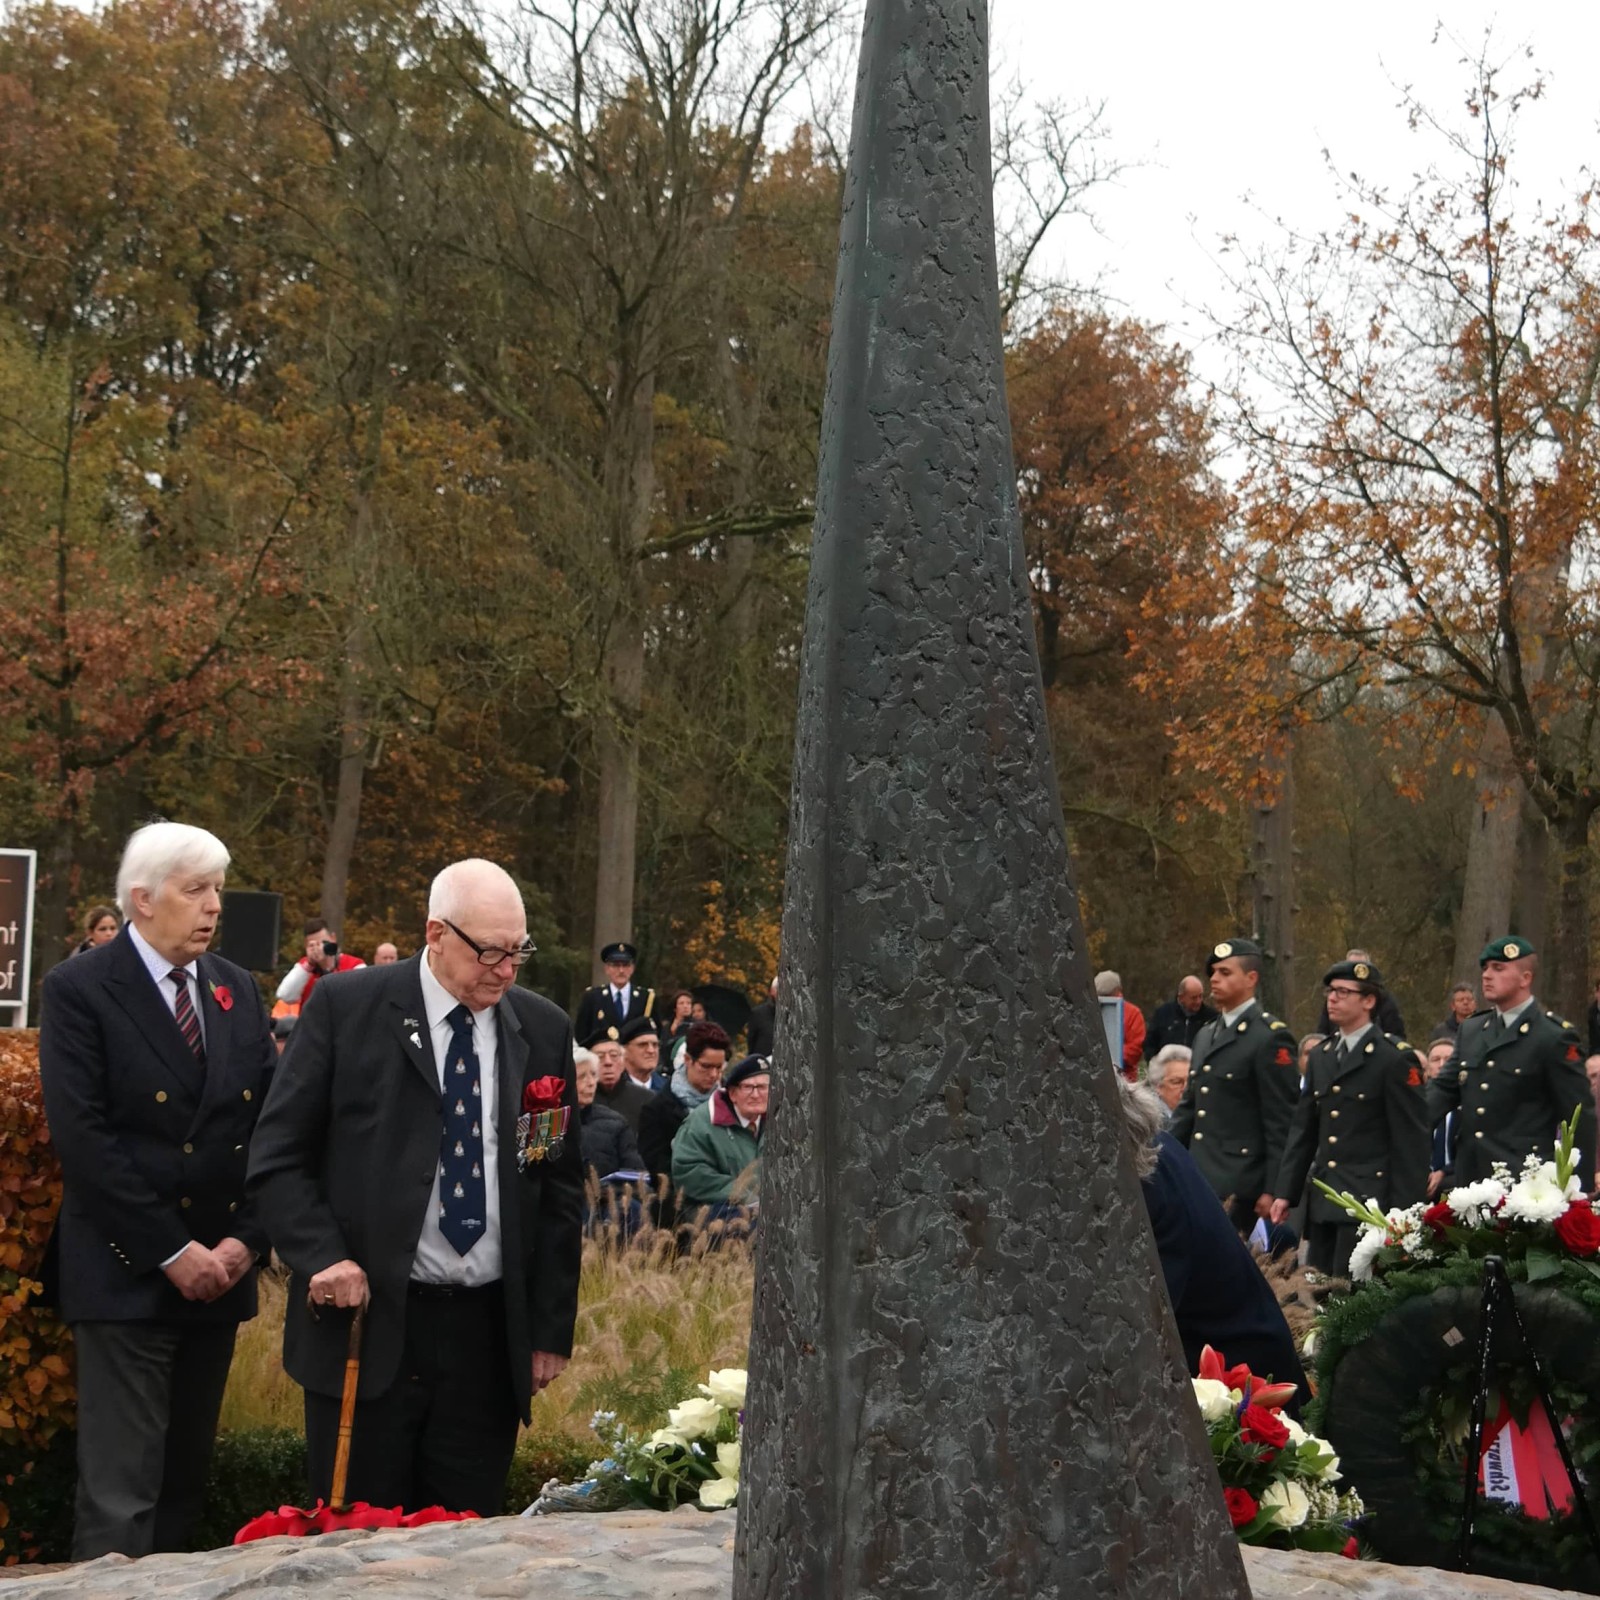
<point x="638" y="1028"/>
<point x="1232" y="947"/>
<point x="1355" y="971"/>
<point x="607" y="1035"/>
<point x="749" y="1067"/>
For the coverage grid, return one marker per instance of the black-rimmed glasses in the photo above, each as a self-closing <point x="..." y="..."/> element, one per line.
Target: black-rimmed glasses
<point x="492" y="955"/>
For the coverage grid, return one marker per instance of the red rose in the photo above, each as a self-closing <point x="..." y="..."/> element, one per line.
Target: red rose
<point x="543" y="1094"/>
<point x="1439" y="1216"/>
<point x="1260" y="1426"/>
<point x="223" y="995"/>
<point x="1578" y="1228"/>
<point x="1242" y="1506"/>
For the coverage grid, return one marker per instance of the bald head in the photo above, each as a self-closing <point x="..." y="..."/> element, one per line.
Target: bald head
<point x="476" y="933"/>
<point x="1191" y="994"/>
<point x="472" y="885"/>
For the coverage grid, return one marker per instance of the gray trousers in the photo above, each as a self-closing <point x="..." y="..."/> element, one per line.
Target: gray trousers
<point x="148" y="1398"/>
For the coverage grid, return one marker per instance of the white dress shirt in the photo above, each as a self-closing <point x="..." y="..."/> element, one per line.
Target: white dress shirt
<point x="158" y="967"/>
<point x="620" y="997"/>
<point x="1351" y="1040"/>
<point x="437" y="1260"/>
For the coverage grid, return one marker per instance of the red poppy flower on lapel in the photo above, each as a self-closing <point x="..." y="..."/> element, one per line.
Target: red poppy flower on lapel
<point x="543" y="1094"/>
<point x="223" y="995"/>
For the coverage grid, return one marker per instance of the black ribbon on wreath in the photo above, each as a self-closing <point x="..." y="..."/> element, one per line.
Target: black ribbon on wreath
<point x="1499" y="1306"/>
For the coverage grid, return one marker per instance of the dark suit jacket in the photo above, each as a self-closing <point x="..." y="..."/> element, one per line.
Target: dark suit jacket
<point x="596" y="1011"/>
<point x="344" y="1159"/>
<point x="153" y="1149"/>
<point x="1361" y="1126"/>
<point x="760" y="1029"/>
<point x="1219" y="1297"/>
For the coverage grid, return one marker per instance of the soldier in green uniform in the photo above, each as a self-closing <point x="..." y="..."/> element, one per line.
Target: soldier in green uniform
<point x="1243" y="1084"/>
<point x="1516" y="1074"/>
<point x="1361" y="1123"/>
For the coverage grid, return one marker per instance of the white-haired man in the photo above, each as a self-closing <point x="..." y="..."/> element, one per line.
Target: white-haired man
<point x="419" y="1154"/>
<point x="155" y="1057"/>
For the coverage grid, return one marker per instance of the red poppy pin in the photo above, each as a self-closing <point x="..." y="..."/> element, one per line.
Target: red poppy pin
<point x="223" y="995"/>
<point x="543" y="1094"/>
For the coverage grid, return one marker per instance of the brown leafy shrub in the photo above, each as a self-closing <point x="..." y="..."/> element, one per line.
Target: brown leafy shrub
<point x="37" y="1395"/>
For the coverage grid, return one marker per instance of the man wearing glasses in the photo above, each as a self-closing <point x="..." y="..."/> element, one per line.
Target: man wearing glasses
<point x="1361" y="1123"/>
<point x="716" y="1154"/>
<point x="419" y="1155"/>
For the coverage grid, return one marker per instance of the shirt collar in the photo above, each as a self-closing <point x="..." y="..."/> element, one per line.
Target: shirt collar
<point x="157" y="964"/>
<point x="1508" y="1017"/>
<point x="1231" y="1017"/>
<point x="1353" y="1038"/>
<point x="436" y="999"/>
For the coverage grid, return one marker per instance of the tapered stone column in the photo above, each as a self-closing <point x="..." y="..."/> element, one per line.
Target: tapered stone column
<point x="965" y="1381"/>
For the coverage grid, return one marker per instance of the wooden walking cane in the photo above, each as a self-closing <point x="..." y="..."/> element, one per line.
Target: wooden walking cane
<point x="347" y="1411"/>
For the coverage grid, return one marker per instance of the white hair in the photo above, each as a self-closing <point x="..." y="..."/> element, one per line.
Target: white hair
<point x="161" y="850"/>
<point x="462" y="884"/>
<point x="1168" y="1055"/>
<point x="1143" y="1116"/>
<point x="580" y="1056"/>
<point x="1106" y="984"/>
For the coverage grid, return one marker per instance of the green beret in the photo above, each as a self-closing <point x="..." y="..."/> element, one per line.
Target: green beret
<point x="1232" y="947"/>
<point x="1511" y="948"/>
<point x="1355" y="971"/>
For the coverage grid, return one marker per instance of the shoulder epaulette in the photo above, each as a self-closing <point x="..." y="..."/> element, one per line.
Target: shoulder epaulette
<point x="1274" y="1021"/>
<point x="1398" y="1042"/>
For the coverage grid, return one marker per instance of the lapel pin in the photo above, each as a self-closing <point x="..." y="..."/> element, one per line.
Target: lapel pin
<point x="415" y="1039"/>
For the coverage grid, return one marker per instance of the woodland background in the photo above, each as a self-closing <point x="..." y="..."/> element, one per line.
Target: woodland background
<point x="407" y="432"/>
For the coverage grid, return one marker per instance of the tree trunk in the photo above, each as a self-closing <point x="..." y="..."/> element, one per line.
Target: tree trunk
<point x="1491" y="853"/>
<point x="346" y="824"/>
<point x="629" y="476"/>
<point x="1530" y="892"/>
<point x="1564" y="983"/>
<point x="1273" y="874"/>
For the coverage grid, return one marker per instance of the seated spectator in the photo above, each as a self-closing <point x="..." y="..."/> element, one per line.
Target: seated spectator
<point x="1219" y="1297"/>
<point x="1169" y="1074"/>
<point x="716" y="1156"/>
<point x="1178" y="1021"/>
<point x="607" y="1142"/>
<point x="705" y="1055"/>
<point x="1108" y="985"/>
<point x="322" y="957"/>
<point x="641" y="1054"/>
<point x="101" y="926"/>
<point x="617" y="1090"/>
<point x="1387" y="1016"/>
<point x="385" y="955"/>
<point x="1463" y="1002"/>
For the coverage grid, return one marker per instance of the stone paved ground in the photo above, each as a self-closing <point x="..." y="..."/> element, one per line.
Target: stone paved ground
<point x="619" y="1556"/>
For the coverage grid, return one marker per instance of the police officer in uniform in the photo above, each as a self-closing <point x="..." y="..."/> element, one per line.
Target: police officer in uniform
<point x="616" y="1002"/>
<point x="1516" y="1075"/>
<point x="1361" y="1123"/>
<point x="1243" y="1084"/>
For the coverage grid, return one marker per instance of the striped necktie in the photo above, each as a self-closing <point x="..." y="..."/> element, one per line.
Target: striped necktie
<point x="183" y="1010"/>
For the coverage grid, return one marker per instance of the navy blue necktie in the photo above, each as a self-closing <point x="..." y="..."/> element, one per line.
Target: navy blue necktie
<point x="463" y="1208"/>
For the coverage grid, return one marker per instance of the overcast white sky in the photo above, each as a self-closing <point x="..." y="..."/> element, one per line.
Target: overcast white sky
<point x="1229" y="107"/>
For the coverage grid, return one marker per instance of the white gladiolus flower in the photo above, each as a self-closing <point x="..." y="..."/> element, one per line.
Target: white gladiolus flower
<point x="726" y="1386"/>
<point x="1539" y="1197"/>
<point x="718" y="1493"/>
<point x="1216" y="1400"/>
<point x="1288" y="1502"/>
<point x="696" y="1418"/>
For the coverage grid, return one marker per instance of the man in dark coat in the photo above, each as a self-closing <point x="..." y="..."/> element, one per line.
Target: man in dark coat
<point x="1361" y="1123"/>
<point x="608" y="1007"/>
<point x="617" y="1091"/>
<point x="705" y="1054"/>
<point x="1178" y="1021"/>
<point x="419" y="1154"/>
<point x="1244" y="1080"/>
<point x="1516" y="1075"/>
<point x="155" y="1058"/>
<point x="760" y="1030"/>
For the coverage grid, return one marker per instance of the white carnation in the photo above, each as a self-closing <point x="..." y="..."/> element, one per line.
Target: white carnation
<point x="1476" y="1203"/>
<point x="1539" y="1196"/>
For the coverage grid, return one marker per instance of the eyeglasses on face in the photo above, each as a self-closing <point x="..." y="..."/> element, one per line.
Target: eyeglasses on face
<point x="490" y="955"/>
<point x="1343" y="988"/>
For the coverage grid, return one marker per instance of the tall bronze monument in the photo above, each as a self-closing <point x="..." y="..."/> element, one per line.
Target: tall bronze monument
<point x="965" y="1381"/>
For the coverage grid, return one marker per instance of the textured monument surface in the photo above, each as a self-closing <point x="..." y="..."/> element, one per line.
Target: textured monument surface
<point x="965" y="1380"/>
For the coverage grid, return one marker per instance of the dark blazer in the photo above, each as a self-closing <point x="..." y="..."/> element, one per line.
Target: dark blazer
<point x="658" y="1126"/>
<point x="1361" y="1126"/>
<point x="153" y="1149"/>
<point x="1235" y="1114"/>
<point x="760" y="1029"/>
<point x="1219" y="1296"/>
<point x="1513" y="1092"/>
<point x="344" y="1160"/>
<point x="597" y="1012"/>
<point x="607" y="1142"/>
<point x="1171" y="1024"/>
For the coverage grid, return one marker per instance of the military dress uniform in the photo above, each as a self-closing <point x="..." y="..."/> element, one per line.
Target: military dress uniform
<point x="599" y="1016"/>
<point x="1235" y="1113"/>
<point x="1361" y="1124"/>
<point x="1514" y="1087"/>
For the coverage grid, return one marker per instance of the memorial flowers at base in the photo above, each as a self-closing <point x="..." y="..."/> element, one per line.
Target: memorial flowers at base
<point x="1280" y="1483"/>
<point x="693" y="1458"/>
